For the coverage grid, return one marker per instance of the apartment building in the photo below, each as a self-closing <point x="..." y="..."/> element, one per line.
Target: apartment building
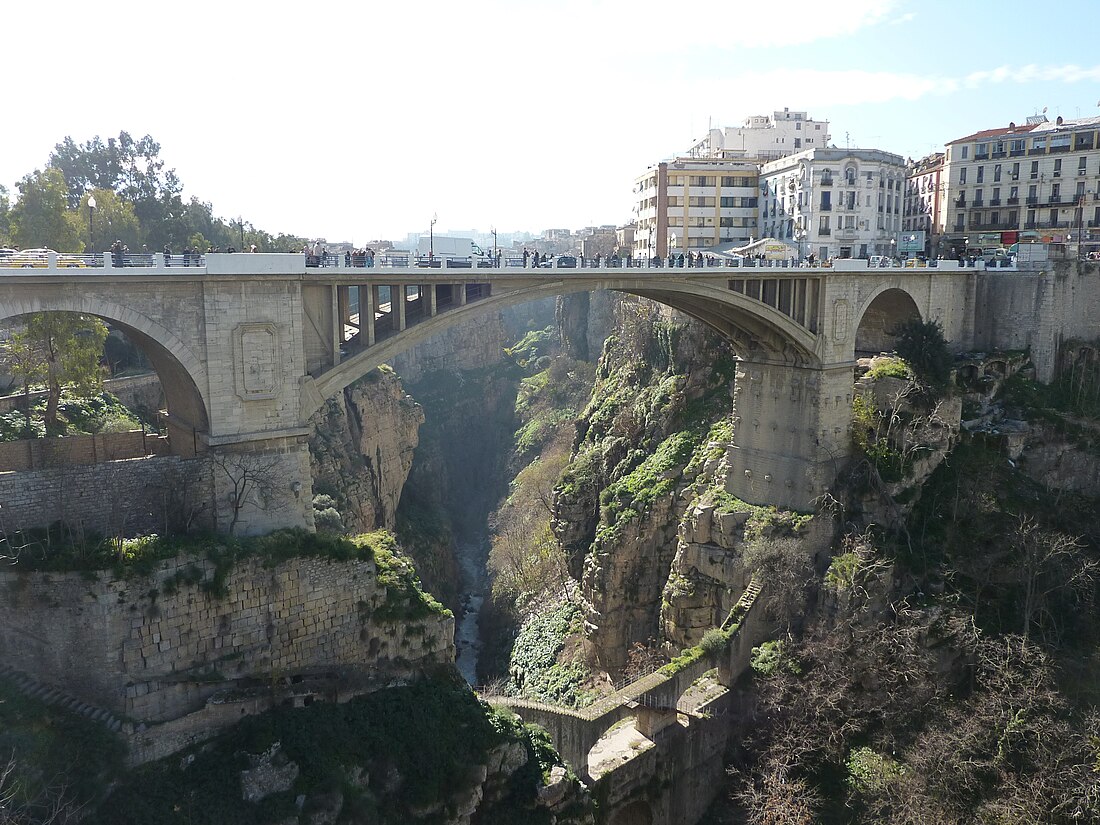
<point x="834" y="203"/>
<point x="764" y="137"/>
<point x="691" y="204"/>
<point x="1039" y="181"/>
<point x="925" y="209"/>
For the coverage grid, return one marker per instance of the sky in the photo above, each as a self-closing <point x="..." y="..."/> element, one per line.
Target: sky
<point x="358" y="121"/>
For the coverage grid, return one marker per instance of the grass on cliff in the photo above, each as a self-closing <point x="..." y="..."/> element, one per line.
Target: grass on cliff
<point x="60" y="549"/>
<point x="388" y="753"/>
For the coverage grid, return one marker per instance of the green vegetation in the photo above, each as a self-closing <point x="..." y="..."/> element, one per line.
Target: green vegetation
<point x="771" y="658"/>
<point x="60" y="549"/>
<point x="923" y="347"/>
<point x="388" y="753"/>
<point x="890" y="368"/>
<point x="536" y="672"/>
<point x="138" y="201"/>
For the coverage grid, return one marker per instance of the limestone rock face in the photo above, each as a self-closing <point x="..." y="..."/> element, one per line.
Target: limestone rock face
<point x="362" y="449"/>
<point x="466" y="346"/>
<point x="661" y="383"/>
<point x="707" y="575"/>
<point x="270" y="772"/>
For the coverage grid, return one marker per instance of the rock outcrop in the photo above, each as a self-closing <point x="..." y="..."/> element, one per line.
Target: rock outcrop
<point x="362" y="448"/>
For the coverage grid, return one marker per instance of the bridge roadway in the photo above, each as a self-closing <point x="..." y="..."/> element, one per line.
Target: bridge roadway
<point x="249" y="346"/>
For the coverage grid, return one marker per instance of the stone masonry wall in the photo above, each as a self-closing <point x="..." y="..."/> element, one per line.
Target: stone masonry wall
<point x="36" y="453"/>
<point x="156" y="648"/>
<point x="129" y="497"/>
<point x="1038" y="311"/>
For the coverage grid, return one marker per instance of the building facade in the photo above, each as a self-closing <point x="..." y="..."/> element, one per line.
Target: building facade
<point x="1035" y="182"/>
<point x="691" y="204"/>
<point x="764" y="137"/>
<point x="834" y="203"/>
<point x="925" y="202"/>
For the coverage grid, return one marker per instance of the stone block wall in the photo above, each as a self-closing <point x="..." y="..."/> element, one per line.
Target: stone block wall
<point x="139" y="495"/>
<point x="1038" y="311"/>
<point x="156" y="648"/>
<point x="36" y="453"/>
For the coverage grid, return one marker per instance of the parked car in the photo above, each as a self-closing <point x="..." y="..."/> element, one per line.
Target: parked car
<point x="560" y="262"/>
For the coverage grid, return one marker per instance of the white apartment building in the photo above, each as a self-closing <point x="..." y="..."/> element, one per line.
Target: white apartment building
<point x="764" y="137"/>
<point x="834" y="203"/>
<point x="690" y="204"/>
<point x="1035" y="182"/>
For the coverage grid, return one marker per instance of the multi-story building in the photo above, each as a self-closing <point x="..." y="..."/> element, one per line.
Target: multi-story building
<point x="1039" y="181"/>
<point x="925" y="201"/>
<point x="691" y="204"/>
<point x="834" y="203"/>
<point x="764" y="137"/>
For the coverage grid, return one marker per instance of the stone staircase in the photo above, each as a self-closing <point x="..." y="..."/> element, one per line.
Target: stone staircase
<point x="55" y="697"/>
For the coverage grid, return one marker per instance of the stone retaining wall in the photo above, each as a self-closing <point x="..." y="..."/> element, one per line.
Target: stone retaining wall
<point x="156" y="648"/>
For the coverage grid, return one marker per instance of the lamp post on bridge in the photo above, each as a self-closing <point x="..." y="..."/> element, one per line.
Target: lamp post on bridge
<point x="91" y="224"/>
<point x="431" y="237"/>
<point x="493" y="229"/>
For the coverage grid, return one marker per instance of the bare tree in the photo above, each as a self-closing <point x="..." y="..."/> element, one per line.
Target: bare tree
<point x="52" y="806"/>
<point x="253" y="480"/>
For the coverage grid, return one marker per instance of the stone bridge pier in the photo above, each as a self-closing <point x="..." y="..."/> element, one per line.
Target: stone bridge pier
<point x="790" y="432"/>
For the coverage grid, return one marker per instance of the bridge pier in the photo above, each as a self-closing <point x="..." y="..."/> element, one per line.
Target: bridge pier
<point x="262" y="485"/>
<point x="791" y="432"/>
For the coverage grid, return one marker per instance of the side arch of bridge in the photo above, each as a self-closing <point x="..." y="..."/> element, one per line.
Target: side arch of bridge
<point x="182" y="373"/>
<point x="749" y="324"/>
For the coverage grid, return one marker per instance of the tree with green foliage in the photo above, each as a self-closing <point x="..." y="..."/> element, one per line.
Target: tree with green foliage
<point x="25" y="361"/>
<point x="71" y="346"/>
<point x="41" y="215"/>
<point x="924" y="348"/>
<point x="5" y="213"/>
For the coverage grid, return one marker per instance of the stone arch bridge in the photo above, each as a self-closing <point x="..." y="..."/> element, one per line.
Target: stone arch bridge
<point x="248" y="347"/>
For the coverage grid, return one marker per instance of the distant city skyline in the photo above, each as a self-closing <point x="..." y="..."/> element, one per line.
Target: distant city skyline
<point x="356" y="123"/>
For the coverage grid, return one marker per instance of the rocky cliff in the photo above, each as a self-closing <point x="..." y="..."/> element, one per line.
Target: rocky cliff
<point x="362" y="449"/>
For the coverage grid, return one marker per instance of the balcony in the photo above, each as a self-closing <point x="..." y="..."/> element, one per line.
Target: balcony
<point x="1031" y="200"/>
<point x="1084" y="144"/>
<point x="1093" y="224"/>
<point x="824" y="232"/>
<point x="977" y="204"/>
<point x="1015" y="153"/>
<point x="1040" y="151"/>
<point x="981" y="157"/>
<point x="1013" y="201"/>
<point x="994" y="201"/>
<point x="960" y="202"/>
<point x="826" y="181"/>
<point x="999" y="154"/>
<point x="825" y="207"/>
<point x="1059" y="149"/>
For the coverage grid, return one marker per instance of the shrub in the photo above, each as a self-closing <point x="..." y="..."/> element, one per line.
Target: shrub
<point x="714" y="641"/>
<point x="922" y="345"/>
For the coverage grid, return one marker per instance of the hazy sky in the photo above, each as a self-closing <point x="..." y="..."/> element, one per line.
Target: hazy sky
<point x="359" y="121"/>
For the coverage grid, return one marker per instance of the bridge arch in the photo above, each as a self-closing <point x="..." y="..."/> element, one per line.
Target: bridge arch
<point x="884" y="309"/>
<point x="182" y="374"/>
<point x="750" y="325"/>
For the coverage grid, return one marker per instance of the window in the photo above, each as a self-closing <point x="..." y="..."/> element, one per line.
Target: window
<point x="1081" y="165"/>
<point x="1013" y="194"/>
<point x="1055" y="192"/>
<point x="1016" y="146"/>
<point x="850" y="176"/>
<point x="1060" y="143"/>
<point x="981" y="151"/>
<point x="726" y="222"/>
<point x="997" y="173"/>
<point x="995" y="198"/>
<point x="798" y="126"/>
<point x="994" y="217"/>
<point x="1039" y="144"/>
<point x="962" y="176"/>
<point x="1058" y="168"/>
<point x="798" y="143"/>
<point x="826" y="201"/>
<point x="965" y="148"/>
<point x="849" y="221"/>
<point x="1080" y="193"/>
<point x="981" y="175"/>
<point x="1034" y="169"/>
<point x="1016" y="171"/>
<point x="1032" y="193"/>
<point x="977" y="197"/>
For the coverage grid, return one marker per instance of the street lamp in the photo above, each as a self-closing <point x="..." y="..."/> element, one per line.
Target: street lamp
<point x="431" y="237"/>
<point x="493" y="229"/>
<point x="91" y="224"/>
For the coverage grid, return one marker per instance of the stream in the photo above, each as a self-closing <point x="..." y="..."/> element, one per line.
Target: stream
<point x="472" y="555"/>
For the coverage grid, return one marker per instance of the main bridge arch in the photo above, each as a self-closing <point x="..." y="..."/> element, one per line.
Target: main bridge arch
<point x="757" y="330"/>
<point x="182" y="373"/>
